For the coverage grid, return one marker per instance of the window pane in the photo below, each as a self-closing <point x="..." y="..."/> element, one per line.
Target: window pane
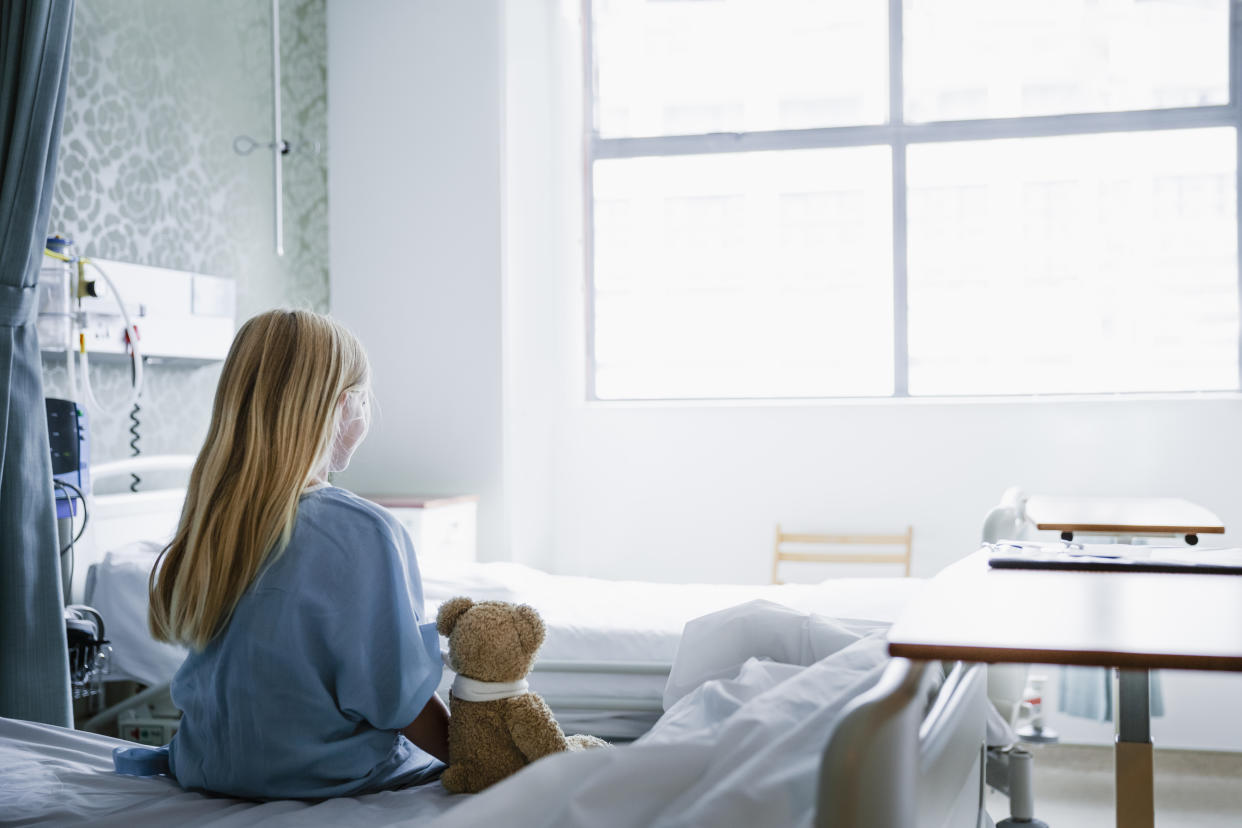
<point x="989" y="59"/>
<point x="1089" y="263"/>
<point x="763" y="274"/>
<point x="676" y="67"/>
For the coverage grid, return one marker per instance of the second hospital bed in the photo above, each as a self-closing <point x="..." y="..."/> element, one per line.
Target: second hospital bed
<point x="606" y="659"/>
<point x="603" y="666"/>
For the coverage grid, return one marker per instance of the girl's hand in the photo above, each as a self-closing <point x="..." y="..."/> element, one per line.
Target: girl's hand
<point x="430" y="730"/>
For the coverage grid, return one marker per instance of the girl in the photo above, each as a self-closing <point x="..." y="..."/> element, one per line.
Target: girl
<point x="309" y="674"/>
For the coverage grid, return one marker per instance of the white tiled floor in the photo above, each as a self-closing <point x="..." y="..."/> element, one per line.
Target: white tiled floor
<point x="1074" y="788"/>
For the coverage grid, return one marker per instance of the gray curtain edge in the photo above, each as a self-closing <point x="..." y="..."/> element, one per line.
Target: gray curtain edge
<point x="34" y="670"/>
<point x="1087" y="692"/>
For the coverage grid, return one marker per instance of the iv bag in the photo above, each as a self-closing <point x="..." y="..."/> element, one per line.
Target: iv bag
<point x="55" y="293"/>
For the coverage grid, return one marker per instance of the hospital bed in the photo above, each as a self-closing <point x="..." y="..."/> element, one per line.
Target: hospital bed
<point x="608" y="677"/>
<point x="806" y="751"/>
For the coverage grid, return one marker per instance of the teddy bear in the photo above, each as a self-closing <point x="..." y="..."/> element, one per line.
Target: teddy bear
<point x="497" y="725"/>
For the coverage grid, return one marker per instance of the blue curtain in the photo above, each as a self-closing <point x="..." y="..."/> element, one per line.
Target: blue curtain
<point x="1087" y="692"/>
<point x="34" y="64"/>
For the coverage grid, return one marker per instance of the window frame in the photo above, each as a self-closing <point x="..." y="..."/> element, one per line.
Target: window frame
<point x="897" y="135"/>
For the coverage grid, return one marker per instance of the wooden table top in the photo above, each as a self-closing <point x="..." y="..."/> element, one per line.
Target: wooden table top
<point x="970" y="612"/>
<point x="1122" y="515"/>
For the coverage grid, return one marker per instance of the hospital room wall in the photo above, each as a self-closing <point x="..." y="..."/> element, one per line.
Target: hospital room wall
<point x="693" y="492"/>
<point x="415" y="116"/>
<point x="541" y="237"/>
<point x="147" y="174"/>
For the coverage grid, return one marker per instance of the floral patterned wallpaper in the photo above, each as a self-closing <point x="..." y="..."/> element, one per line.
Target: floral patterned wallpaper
<point x="158" y="90"/>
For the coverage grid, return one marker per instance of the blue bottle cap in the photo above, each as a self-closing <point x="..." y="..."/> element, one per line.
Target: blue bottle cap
<point x="141" y="761"/>
<point x="57" y="244"/>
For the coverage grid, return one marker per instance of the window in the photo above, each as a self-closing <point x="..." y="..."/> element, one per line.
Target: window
<point x="1017" y="198"/>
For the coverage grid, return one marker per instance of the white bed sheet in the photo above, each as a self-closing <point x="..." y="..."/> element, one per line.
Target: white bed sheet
<point x="117" y="588"/>
<point x="54" y="776"/>
<point x="737" y="751"/>
<point x="602" y="620"/>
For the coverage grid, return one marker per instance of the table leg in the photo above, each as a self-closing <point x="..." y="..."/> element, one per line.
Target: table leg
<point x="1134" y="773"/>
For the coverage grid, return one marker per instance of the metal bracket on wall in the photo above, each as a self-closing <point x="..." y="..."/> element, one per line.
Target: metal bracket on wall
<point x="244" y="144"/>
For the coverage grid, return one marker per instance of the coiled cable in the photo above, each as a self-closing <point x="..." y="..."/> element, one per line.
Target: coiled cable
<point x="134" y="449"/>
<point x="135" y="369"/>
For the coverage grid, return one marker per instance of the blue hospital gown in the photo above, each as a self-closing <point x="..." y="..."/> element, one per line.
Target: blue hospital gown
<point x="303" y="693"/>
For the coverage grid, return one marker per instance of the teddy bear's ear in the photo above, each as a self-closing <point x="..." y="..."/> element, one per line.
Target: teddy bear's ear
<point x="450" y="611"/>
<point x="530" y="627"/>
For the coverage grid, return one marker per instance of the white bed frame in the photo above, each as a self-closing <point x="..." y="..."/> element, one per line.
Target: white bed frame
<point x="900" y="757"/>
<point x="633" y="704"/>
<point x="906" y="753"/>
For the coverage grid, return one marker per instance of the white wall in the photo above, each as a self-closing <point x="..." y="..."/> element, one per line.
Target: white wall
<point x="532" y="345"/>
<point x="677" y="492"/>
<point x="414" y="103"/>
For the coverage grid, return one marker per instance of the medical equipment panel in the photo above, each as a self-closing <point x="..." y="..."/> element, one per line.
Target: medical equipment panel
<point x="67" y="434"/>
<point x="179" y="315"/>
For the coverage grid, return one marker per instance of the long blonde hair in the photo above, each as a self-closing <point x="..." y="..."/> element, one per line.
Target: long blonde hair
<point x="272" y="425"/>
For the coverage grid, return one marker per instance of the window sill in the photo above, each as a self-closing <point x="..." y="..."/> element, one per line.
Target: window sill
<point x="997" y="400"/>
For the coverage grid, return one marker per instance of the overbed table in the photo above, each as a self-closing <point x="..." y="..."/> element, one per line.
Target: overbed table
<point x="1122" y="517"/>
<point x="1134" y="621"/>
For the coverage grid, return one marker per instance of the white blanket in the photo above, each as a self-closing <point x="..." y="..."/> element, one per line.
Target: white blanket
<point x="731" y="753"/>
<point x="713" y="646"/>
<point x="736" y="751"/>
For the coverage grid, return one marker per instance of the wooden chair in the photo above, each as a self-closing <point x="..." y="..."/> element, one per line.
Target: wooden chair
<point x="780" y="554"/>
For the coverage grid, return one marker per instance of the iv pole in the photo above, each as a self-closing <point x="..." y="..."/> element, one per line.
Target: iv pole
<point x="244" y="144"/>
<point x="279" y="146"/>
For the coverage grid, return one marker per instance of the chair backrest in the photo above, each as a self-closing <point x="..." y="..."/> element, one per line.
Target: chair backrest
<point x="801" y="547"/>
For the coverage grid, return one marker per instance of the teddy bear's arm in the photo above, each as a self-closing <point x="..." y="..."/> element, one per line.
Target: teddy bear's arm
<point x="533" y="729"/>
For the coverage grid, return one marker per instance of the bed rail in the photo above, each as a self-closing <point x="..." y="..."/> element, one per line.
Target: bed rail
<point x="147" y="463"/>
<point x="889" y="764"/>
